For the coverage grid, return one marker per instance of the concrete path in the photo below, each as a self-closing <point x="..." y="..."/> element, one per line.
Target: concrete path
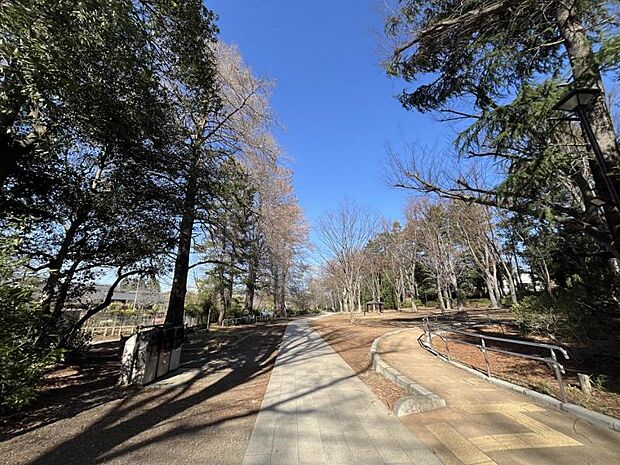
<point x="316" y="411"/>
<point x="484" y="424"/>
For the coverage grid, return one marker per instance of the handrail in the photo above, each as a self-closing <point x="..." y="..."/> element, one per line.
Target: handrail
<point x="552" y="361"/>
<point x="511" y="341"/>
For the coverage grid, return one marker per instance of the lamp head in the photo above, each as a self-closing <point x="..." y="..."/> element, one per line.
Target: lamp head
<point x="577" y="98"/>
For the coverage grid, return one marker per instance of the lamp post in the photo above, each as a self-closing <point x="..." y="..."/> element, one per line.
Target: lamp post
<point x="577" y="101"/>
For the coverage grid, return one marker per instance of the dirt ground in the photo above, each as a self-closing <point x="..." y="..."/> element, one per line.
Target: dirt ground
<point x="352" y="342"/>
<point x="534" y="375"/>
<point x="208" y="420"/>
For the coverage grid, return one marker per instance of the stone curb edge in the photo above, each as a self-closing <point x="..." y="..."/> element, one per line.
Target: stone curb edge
<point x="578" y="411"/>
<point x="419" y="399"/>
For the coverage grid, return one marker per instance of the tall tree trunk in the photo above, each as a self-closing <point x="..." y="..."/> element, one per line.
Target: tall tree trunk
<point x="442" y="304"/>
<point x="587" y="74"/>
<point x="511" y="283"/>
<point x="351" y="304"/>
<point x="223" y="293"/>
<point x="282" y="295"/>
<point x="455" y="286"/>
<point x="55" y="267"/>
<point x="547" y="277"/>
<point x="63" y="291"/>
<point x="447" y="298"/>
<point x="176" y="303"/>
<point x="229" y="291"/>
<point x="413" y="289"/>
<point x="250" y="288"/>
<point x="491" y="290"/>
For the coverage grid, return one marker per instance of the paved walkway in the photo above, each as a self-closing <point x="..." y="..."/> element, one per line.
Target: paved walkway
<point x="484" y="424"/>
<point x="316" y="411"/>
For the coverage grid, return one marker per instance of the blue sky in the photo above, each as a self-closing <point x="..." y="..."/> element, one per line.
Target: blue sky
<point x="337" y="105"/>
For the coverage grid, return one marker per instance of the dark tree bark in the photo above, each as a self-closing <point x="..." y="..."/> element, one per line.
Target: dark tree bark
<point x="587" y="74"/>
<point x="55" y="267"/>
<point x="250" y="288"/>
<point x="176" y="304"/>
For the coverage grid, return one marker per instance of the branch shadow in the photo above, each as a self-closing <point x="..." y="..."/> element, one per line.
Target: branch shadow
<point x="110" y="437"/>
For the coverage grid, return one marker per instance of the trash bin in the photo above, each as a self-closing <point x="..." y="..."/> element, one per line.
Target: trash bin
<point x="150" y="354"/>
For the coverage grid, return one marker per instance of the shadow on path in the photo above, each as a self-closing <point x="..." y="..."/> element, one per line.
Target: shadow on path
<point x="137" y="414"/>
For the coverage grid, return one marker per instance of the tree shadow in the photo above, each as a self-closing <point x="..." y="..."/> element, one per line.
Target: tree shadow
<point x="136" y="414"/>
<point x="287" y="354"/>
<point x="110" y="437"/>
<point x="91" y="381"/>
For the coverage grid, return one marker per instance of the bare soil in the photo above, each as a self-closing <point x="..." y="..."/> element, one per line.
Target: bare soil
<point x="533" y="374"/>
<point x="352" y="342"/>
<point x="208" y="420"/>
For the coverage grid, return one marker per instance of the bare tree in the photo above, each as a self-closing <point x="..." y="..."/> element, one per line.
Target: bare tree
<point x="285" y="231"/>
<point x="411" y="249"/>
<point x="440" y="252"/>
<point x="476" y="230"/>
<point x="344" y="234"/>
<point x="215" y="135"/>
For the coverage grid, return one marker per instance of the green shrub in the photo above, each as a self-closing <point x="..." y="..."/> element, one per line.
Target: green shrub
<point x="570" y="314"/>
<point x="22" y="359"/>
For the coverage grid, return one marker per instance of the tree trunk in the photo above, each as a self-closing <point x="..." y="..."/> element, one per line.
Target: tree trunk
<point x="491" y="289"/>
<point x="63" y="291"/>
<point x="351" y="307"/>
<point x="282" y="297"/>
<point x="413" y="289"/>
<point x="176" y="303"/>
<point x="442" y="304"/>
<point x="547" y="278"/>
<point x="447" y="298"/>
<point x="587" y="74"/>
<point x="250" y="288"/>
<point x="55" y="267"/>
<point x="511" y="283"/>
<point x="229" y="291"/>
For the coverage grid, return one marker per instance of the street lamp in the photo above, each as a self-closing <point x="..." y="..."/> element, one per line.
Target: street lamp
<point x="577" y="98"/>
<point x="577" y="101"/>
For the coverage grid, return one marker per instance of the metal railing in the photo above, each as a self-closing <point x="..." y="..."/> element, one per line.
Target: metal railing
<point x="244" y="320"/>
<point x="435" y="329"/>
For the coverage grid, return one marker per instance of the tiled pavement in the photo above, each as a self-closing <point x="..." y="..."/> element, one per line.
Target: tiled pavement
<point x="484" y="424"/>
<point x="317" y="412"/>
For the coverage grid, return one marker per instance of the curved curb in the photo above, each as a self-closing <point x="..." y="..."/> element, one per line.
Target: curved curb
<point x="419" y="399"/>
<point x="575" y="410"/>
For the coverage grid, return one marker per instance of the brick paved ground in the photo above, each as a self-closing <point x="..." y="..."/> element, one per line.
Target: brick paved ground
<point x="484" y="424"/>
